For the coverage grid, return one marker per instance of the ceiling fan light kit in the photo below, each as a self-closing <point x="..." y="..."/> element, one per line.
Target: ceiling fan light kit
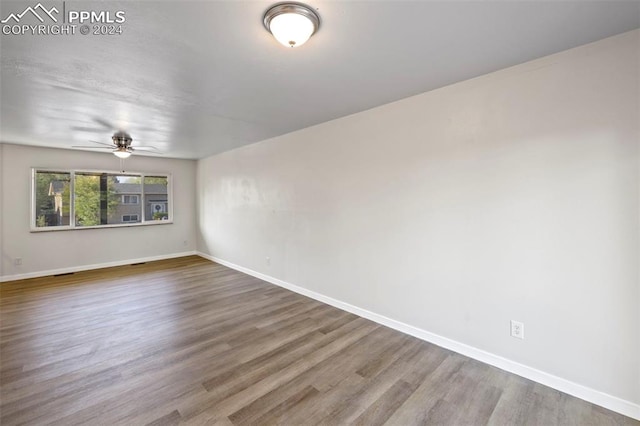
<point x="292" y="24"/>
<point x="122" y="152"/>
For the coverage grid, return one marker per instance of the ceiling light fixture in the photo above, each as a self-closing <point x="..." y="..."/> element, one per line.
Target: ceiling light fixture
<point x="292" y="24"/>
<point x="122" y="152"/>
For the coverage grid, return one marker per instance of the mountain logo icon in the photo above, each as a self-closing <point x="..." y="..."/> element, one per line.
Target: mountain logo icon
<point x="34" y="11"/>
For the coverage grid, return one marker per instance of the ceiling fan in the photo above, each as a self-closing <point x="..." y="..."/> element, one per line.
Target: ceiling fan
<point x="121" y="146"/>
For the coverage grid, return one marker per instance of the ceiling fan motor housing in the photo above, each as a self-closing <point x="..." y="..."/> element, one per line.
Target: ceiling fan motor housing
<point x="122" y="139"/>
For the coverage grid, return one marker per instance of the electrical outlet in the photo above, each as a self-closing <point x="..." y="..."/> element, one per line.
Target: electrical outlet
<point x="268" y="260"/>
<point x="17" y="261"/>
<point x="517" y="329"/>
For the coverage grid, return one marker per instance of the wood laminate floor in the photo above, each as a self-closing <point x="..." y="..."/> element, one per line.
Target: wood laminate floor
<point x="190" y="341"/>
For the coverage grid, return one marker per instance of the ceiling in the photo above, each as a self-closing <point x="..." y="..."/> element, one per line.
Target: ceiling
<point x="195" y="78"/>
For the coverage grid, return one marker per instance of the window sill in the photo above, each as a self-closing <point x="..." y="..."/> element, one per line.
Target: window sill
<point x="117" y="225"/>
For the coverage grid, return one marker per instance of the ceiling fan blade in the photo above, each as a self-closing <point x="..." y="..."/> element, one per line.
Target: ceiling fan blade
<point x="147" y="147"/>
<point x="88" y="129"/>
<point x="104" y="123"/>
<point x="143" y="129"/>
<point x="90" y="147"/>
<point x="153" y="151"/>
<point x="110" y="145"/>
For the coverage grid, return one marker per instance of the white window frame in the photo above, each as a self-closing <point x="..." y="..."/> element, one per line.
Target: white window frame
<point x="72" y="216"/>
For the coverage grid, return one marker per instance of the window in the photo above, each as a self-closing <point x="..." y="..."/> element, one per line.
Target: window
<point x="130" y="218"/>
<point x="52" y="199"/>
<point x="98" y="201"/>
<point x="89" y="199"/>
<point x="130" y="199"/>
<point x="156" y="198"/>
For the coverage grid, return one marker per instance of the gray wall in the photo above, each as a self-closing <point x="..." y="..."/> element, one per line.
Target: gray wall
<point x="44" y="252"/>
<point x="509" y="196"/>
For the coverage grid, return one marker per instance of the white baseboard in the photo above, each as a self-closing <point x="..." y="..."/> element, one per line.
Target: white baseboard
<point x="610" y="402"/>
<point x="38" y="274"/>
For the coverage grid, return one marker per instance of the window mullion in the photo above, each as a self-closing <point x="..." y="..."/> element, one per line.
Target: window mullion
<point x="72" y="199"/>
<point x="143" y="205"/>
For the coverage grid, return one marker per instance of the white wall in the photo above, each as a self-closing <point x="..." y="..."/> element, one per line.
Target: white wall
<point x="510" y="196"/>
<point x="43" y="252"/>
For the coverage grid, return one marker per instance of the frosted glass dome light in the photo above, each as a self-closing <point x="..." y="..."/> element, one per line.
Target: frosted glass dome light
<point x="292" y="24"/>
<point x="122" y="153"/>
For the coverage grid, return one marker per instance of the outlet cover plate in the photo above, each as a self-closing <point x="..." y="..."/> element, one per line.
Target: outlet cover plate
<point x="517" y="329"/>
